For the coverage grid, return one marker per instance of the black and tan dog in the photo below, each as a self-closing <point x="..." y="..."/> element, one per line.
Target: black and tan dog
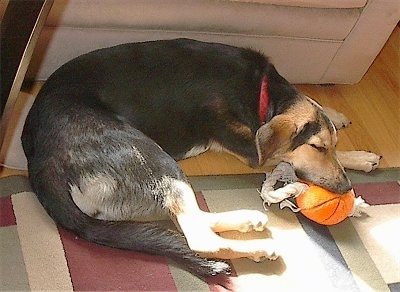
<point x="94" y="165"/>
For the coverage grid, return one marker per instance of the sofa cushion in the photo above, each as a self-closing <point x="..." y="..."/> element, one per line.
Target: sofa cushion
<point x="206" y="17"/>
<point x="309" y="41"/>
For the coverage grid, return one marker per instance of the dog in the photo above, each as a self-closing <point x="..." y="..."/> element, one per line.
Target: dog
<point x="104" y="133"/>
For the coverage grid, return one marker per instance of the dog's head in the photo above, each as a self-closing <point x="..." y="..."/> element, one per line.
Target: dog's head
<point x="306" y="138"/>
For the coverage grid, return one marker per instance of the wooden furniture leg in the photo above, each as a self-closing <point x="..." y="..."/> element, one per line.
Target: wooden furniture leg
<point x="20" y="30"/>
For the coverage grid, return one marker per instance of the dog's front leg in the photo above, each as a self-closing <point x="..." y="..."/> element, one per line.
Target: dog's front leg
<point x="358" y="160"/>
<point x="338" y="119"/>
<point x="199" y="228"/>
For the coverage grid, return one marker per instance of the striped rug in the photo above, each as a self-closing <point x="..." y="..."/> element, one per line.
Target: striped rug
<point x="359" y="254"/>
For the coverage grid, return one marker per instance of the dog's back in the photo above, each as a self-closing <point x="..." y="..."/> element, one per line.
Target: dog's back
<point x="201" y="83"/>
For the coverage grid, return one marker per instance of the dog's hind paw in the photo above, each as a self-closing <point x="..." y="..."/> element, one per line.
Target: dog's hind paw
<point x="264" y="249"/>
<point x="252" y="220"/>
<point x="261" y="258"/>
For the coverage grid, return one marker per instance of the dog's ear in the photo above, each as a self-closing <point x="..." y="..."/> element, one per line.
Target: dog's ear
<point x="274" y="137"/>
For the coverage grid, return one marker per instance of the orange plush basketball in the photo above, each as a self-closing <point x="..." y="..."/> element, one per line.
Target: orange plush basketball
<point x="325" y="207"/>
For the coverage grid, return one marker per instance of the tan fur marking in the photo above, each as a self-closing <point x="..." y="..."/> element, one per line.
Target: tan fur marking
<point x="241" y="129"/>
<point x="174" y="202"/>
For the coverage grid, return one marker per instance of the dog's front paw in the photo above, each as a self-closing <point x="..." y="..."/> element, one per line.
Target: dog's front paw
<point x="359" y="160"/>
<point x="338" y="119"/>
<point x="371" y="161"/>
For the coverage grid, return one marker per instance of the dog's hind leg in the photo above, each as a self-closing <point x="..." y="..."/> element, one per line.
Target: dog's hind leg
<point x="238" y="220"/>
<point x="199" y="228"/>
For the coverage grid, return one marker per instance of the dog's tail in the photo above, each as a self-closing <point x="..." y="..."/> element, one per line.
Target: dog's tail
<point x="150" y="238"/>
<point x="138" y="236"/>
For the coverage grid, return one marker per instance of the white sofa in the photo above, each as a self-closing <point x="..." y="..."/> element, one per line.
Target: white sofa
<point x="310" y="41"/>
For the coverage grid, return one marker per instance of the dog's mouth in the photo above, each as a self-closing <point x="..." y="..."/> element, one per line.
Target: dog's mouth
<point x="337" y="185"/>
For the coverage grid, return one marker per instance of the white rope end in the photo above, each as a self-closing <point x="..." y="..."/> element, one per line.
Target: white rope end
<point x="360" y="207"/>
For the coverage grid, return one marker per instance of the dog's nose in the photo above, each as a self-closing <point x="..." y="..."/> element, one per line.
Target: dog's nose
<point x="344" y="186"/>
<point x="339" y="186"/>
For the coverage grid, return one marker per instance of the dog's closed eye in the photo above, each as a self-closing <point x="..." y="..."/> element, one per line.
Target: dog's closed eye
<point x="307" y="135"/>
<point x="317" y="143"/>
<point x="319" y="148"/>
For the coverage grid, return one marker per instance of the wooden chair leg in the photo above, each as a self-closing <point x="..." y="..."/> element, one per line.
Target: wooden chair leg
<point x="20" y="29"/>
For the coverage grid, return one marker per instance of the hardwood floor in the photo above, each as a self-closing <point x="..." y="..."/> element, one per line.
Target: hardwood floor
<point x="373" y="106"/>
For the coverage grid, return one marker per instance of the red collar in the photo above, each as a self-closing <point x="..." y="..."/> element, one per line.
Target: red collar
<point x="264" y="100"/>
